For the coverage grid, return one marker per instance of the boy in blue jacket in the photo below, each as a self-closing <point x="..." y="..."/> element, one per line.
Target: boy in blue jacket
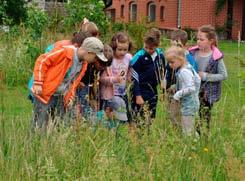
<point x="147" y="67"/>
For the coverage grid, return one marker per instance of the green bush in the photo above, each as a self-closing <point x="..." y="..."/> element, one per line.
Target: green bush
<point x="12" y="11"/>
<point x="91" y="9"/>
<point x="36" y="22"/>
<point x="191" y="33"/>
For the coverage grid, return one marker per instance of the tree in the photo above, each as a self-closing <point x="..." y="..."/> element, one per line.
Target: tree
<point x="219" y="5"/>
<point x="92" y="9"/>
<point x="12" y="11"/>
<point x="107" y="3"/>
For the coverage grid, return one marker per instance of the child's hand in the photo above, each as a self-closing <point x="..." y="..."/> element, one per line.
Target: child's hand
<point x="37" y="89"/>
<point x="176" y="97"/>
<point x="80" y="85"/>
<point x="85" y="20"/>
<point x="119" y="79"/>
<point x="139" y="100"/>
<point x="202" y="74"/>
<point x="71" y="102"/>
<point x="172" y="89"/>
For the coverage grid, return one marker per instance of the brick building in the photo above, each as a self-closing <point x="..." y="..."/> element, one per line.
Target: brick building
<point x="170" y="14"/>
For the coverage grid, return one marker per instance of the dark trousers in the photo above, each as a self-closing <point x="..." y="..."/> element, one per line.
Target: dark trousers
<point x="83" y="100"/>
<point x="150" y="105"/>
<point x="204" y="113"/>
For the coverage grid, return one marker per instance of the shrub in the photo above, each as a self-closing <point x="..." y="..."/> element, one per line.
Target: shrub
<point x="92" y="9"/>
<point x="191" y="33"/>
<point x="36" y="22"/>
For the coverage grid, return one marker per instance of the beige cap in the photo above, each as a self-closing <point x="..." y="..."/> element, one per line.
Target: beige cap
<point x="93" y="44"/>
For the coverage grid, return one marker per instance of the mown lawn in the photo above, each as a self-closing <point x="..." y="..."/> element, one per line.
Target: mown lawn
<point x="86" y="153"/>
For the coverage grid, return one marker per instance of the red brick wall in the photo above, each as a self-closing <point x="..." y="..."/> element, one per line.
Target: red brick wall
<point x="170" y="15"/>
<point x="237" y="17"/>
<point x="200" y="12"/>
<point x="194" y="13"/>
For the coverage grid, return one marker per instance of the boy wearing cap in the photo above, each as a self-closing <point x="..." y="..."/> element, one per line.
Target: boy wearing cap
<point x="57" y="75"/>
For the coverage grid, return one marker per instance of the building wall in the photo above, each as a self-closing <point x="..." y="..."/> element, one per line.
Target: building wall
<point x="200" y="12"/>
<point x="170" y="13"/>
<point x="194" y="13"/>
<point x="237" y="17"/>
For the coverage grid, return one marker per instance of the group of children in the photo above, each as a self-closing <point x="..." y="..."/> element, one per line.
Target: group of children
<point x="83" y="78"/>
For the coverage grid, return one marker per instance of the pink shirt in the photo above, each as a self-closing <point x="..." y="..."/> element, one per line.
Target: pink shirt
<point x="120" y="67"/>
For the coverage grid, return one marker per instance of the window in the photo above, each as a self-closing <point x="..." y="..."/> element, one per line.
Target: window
<point x="112" y="15"/>
<point x="133" y="11"/>
<point x="162" y="13"/>
<point x="122" y="11"/>
<point x="151" y="11"/>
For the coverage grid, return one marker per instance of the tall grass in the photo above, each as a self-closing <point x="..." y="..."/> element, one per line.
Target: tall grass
<point x="87" y="153"/>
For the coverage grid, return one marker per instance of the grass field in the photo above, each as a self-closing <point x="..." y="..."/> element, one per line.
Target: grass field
<point x="85" y="153"/>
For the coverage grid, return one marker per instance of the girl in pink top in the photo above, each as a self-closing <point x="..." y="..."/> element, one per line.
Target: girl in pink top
<point x="113" y="80"/>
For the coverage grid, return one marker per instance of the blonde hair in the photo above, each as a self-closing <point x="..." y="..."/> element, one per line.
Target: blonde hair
<point x="175" y="53"/>
<point x="210" y="32"/>
<point x="91" y="28"/>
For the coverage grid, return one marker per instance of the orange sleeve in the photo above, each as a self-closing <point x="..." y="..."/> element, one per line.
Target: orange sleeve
<point x="43" y="63"/>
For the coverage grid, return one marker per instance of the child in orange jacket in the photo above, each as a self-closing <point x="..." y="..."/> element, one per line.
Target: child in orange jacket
<point x="57" y="75"/>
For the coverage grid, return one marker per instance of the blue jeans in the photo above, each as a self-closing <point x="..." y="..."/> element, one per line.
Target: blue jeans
<point x="83" y="100"/>
<point x="43" y="112"/>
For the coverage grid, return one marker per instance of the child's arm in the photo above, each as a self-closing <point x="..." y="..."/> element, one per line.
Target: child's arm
<point x="221" y="75"/>
<point x="107" y="79"/>
<point x="186" y="79"/>
<point x="43" y="63"/>
<point x="135" y="70"/>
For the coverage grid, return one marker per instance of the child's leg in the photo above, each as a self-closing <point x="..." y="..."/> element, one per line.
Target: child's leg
<point x="205" y="112"/>
<point x="188" y="125"/>
<point x="135" y="109"/>
<point x="153" y="105"/>
<point x="41" y="113"/>
<point x="125" y="98"/>
<point x="173" y="109"/>
<point x="83" y="97"/>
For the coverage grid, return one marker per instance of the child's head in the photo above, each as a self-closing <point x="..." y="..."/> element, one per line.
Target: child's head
<point x="91" y="48"/>
<point x="91" y="28"/>
<point x="206" y="37"/>
<point x="152" y="40"/>
<point x="78" y="38"/>
<point x="175" y="57"/>
<point x="179" y="38"/>
<point x="101" y="65"/>
<point x="120" y="44"/>
<point x="108" y="52"/>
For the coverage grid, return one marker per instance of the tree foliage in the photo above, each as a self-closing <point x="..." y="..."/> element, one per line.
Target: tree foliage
<point x="12" y="11"/>
<point x="36" y="21"/>
<point x="219" y="5"/>
<point x="91" y="9"/>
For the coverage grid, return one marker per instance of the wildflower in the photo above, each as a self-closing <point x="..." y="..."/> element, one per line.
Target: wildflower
<point x="205" y="149"/>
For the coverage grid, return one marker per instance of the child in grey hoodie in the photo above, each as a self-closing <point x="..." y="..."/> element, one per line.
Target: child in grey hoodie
<point x="187" y="87"/>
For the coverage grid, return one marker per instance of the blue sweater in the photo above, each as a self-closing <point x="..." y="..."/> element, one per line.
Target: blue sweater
<point x="147" y="73"/>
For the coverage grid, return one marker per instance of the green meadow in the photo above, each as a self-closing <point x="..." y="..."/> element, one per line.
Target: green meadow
<point x="85" y="152"/>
